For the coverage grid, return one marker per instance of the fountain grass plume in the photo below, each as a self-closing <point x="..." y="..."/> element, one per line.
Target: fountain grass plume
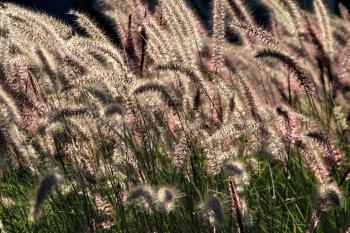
<point x="44" y="188"/>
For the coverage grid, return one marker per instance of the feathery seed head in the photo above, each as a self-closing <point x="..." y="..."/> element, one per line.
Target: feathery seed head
<point x="218" y="35"/>
<point x="330" y="194"/>
<point x="212" y="209"/>
<point x="236" y="169"/>
<point x="46" y="185"/>
<point x="323" y="19"/>
<point x="144" y="195"/>
<point x="332" y="156"/>
<point x="166" y="199"/>
<point x="293" y="65"/>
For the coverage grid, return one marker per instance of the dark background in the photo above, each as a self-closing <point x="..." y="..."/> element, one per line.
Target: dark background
<point x="59" y="8"/>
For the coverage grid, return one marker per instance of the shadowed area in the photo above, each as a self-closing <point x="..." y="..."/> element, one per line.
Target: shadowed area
<point x="59" y="9"/>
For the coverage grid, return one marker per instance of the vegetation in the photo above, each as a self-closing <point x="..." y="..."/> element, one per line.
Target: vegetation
<point x="175" y="129"/>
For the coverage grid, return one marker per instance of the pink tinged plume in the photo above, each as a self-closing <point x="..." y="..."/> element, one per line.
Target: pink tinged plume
<point x="235" y="203"/>
<point x="329" y="195"/>
<point x="288" y="124"/>
<point x="218" y="35"/>
<point x="172" y="119"/>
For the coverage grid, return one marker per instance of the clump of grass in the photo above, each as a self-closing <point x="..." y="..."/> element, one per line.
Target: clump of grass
<point x="175" y="117"/>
